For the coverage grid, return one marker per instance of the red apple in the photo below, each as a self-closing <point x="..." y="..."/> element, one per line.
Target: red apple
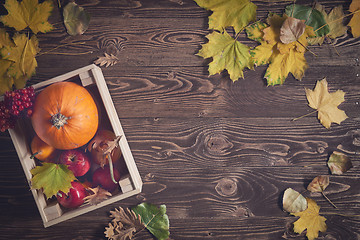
<point x="102" y="177"/>
<point x="75" y="196"/>
<point x="76" y="160"/>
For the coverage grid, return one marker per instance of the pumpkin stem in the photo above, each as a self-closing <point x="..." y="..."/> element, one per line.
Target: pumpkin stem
<point x="58" y="120"/>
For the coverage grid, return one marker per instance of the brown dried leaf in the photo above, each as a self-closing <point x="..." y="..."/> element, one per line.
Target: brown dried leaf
<point x="99" y="195"/>
<point x="318" y="184"/>
<point x="339" y="163"/>
<point x="291" y="30"/>
<point x="107" y="60"/>
<point x="125" y="223"/>
<point x="293" y="201"/>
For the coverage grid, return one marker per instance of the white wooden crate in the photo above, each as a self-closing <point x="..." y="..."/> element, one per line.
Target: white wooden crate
<point x="51" y="213"/>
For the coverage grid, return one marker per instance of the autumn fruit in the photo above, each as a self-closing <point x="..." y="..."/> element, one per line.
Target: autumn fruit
<point x="102" y="177"/>
<point x="74" y="198"/>
<point x="65" y="115"/>
<point x="104" y="144"/>
<point x="76" y="160"/>
<point x="41" y="150"/>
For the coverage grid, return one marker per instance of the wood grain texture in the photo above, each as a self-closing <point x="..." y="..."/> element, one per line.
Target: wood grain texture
<point x="218" y="154"/>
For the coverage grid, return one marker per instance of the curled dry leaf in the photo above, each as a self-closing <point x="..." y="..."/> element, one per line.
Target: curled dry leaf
<point x="124" y="224"/>
<point x="293" y="201"/>
<point x="107" y="60"/>
<point x="318" y="184"/>
<point x="339" y="163"/>
<point x="98" y="195"/>
<point x="291" y="30"/>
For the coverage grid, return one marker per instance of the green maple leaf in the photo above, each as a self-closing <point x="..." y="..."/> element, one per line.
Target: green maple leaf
<point x="154" y="219"/>
<point x="28" y="13"/>
<point x="22" y="55"/>
<point x="227" y="53"/>
<point x="229" y="13"/>
<point x="52" y="178"/>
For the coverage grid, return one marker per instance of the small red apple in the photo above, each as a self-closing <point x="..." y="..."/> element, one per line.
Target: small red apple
<point x="75" y="196"/>
<point x="76" y="160"/>
<point x="102" y="177"/>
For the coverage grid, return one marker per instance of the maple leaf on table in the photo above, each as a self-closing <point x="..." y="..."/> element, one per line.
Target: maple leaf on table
<point x="326" y="103"/>
<point x="227" y="53"/>
<point x="28" y="13"/>
<point x="52" y="178"/>
<point x="334" y="22"/>
<point x="6" y="82"/>
<point x="229" y="13"/>
<point x="355" y="20"/>
<point x="5" y="39"/>
<point x="282" y="58"/>
<point x="22" y="56"/>
<point x="310" y="220"/>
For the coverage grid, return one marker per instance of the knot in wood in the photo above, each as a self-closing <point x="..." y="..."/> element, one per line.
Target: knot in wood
<point x="226" y="187"/>
<point x="218" y="144"/>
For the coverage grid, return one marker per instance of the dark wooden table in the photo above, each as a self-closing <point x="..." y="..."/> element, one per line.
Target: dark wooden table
<point x="218" y="154"/>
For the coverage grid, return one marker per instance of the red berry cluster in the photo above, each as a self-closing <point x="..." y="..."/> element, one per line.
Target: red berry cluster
<point x="16" y="104"/>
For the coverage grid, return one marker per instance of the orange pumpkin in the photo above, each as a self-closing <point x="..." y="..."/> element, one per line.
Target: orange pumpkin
<point x="65" y="115"/>
<point x="42" y="150"/>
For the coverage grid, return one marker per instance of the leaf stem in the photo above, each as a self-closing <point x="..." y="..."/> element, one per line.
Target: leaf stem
<point x="66" y="44"/>
<point x="307" y="48"/>
<point x="294" y="119"/>
<point x="328" y="199"/>
<point x="336" y="20"/>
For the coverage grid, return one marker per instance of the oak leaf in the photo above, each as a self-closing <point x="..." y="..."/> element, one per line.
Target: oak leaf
<point x="107" y="60"/>
<point x="28" y="13"/>
<point x="229" y="13"/>
<point x="124" y="224"/>
<point x="97" y="196"/>
<point x="227" y="54"/>
<point x="310" y="220"/>
<point x="326" y="103"/>
<point x="282" y="58"/>
<point x="52" y="178"/>
<point x="354" y="23"/>
<point x="333" y="20"/>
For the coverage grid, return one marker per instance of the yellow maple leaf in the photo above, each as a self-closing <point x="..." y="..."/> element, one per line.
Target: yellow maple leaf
<point x="229" y="13"/>
<point x="6" y="82"/>
<point x="326" y="103"/>
<point x="355" y="20"/>
<point x="28" y="13"/>
<point x="227" y="53"/>
<point x="22" y="55"/>
<point x="282" y="58"/>
<point x="310" y="220"/>
<point x="5" y="38"/>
